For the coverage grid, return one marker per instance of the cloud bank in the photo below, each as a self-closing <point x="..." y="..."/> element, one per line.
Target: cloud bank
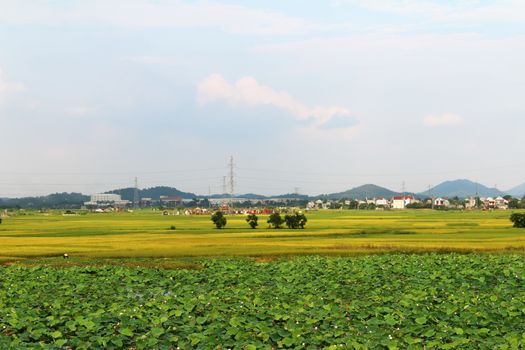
<point x="247" y="91"/>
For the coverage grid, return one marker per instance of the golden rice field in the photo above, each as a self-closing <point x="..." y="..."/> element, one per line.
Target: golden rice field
<point x="147" y="233"/>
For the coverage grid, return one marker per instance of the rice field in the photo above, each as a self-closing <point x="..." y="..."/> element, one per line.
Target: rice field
<point x="147" y="233"/>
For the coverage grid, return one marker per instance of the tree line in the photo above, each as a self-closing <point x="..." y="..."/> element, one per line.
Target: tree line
<point x="276" y="221"/>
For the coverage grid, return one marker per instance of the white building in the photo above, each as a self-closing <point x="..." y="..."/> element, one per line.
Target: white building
<point x="401" y="202"/>
<point x="441" y="202"/>
<point x="470" y="203"/>
<point x="106" y="199"/>
<point x="381" y="202"/>
<point x="501" y="203"/>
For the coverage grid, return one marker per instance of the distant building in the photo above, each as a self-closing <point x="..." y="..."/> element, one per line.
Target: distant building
<point x="381" y="202"/>
<point x="470" y="203"/>
<point x="106" y="199"/>
<point x="501" y="203"/>
<point x="441" y="202"/>
<point x="401" y="202"/>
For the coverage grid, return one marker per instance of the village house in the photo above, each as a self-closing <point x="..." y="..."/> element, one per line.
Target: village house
<point x="501" y="203"/>
<point x="441" y="202"/>
<point x="381" y="202"/>
<point x="470" y="203"/>
<point x="401" y="202"/>
<point x="495" y="203"/>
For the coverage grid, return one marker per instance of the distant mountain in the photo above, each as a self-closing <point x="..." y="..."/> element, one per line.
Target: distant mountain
<point x="462" y="189"/>
<point x="361" y="192"/>
<point x="153" y="193"/>
<point x="518" y="191"/>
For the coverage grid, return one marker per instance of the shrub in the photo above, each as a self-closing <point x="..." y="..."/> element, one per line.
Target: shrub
<point x="518" y="220"/>
<point x="172" y="227"/>
<point x="218" y="219"/>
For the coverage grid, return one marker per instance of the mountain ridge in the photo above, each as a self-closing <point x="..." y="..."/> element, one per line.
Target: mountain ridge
<point x="517" y="191"/>
<point x="462" y="188"/>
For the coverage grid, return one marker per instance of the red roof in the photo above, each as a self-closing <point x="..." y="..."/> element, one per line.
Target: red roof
<point x="399" y="198"/>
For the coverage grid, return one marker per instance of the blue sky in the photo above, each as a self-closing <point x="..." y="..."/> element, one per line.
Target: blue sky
<point x="319" y="95"/>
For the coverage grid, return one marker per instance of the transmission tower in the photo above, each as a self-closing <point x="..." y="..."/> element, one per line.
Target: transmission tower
<point x="136" y="193"/>
<point x="231" y="165"/>
<point x="431" y="197"/>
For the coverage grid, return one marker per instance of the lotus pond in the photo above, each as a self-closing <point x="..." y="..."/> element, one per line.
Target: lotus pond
<point x="429" y="301"/>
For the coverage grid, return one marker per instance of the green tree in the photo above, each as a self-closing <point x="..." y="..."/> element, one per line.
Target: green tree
<point x="514" y="203"/>
<point x="294" y="221"/>
<point x="518" y="220"/>
<point x="479" y="203"/>
<point x="275" y="220"/>
<point x="301" y="219"/>
<point x="218" y="219"/>
<point x="252" y="220"/>
<point x="291" y="221"/>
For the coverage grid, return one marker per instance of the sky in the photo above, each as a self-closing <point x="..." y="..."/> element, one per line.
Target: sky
<point x="307" y="96"/>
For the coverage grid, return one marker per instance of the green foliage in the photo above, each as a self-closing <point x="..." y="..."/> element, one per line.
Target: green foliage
<point x="518" y="220"/>
<point x="219" y="220"/>
<point x="419" y="205"/>
<point x="56" y="200"/>
<point x="172" y="227"/>
<point x="275" y="220"/>
<point x="296" y="220"/>
<point x="0" y="220"/>
<point x="433" y="301"/>
<point x="514" y="203"/>
<point x="251" y="219"/>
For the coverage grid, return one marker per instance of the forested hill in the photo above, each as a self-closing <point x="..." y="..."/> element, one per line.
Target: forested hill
<point x="55" y="200"/>
<point x="153" y="193"/>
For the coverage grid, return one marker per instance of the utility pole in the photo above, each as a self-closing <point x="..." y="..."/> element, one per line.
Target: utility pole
<point x="231" y="164"/>
<point x="136" y="193"/>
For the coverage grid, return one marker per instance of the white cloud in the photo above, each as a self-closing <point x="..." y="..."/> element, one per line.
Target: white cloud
<point x="447" y="119"/>
<point x="143" y="13"/>
<point x="247" y="91"/>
